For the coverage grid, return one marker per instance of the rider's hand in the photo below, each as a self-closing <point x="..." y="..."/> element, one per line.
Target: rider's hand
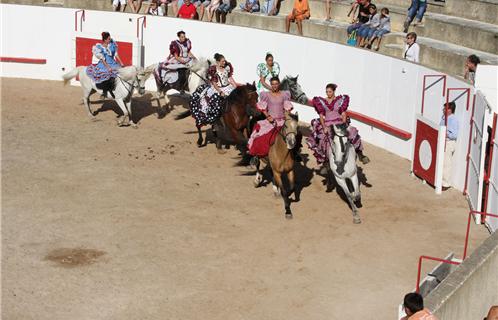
<point x="270" y="118"/>
<point x="222" y="93"/>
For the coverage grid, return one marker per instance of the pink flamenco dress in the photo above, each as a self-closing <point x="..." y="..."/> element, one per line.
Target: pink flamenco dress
<point x="318" y="142"/>
<point x="264" y="132"/>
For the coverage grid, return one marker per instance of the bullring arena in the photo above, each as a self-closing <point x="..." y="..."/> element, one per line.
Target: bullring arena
<point x="107" y="222"/>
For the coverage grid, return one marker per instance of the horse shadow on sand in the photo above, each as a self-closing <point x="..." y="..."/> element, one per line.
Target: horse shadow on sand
<point x="303" y="175"/>
<point x="328" y="180"/>
<point x="141" y="106"/>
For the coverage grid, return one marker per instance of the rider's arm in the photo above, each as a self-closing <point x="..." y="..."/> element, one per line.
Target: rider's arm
<point x="232" y="82"/>
<point x="118" y="59"/>
<point x="191" y="55"/>
<point x="177" y="57"/>
<point x="322" y="121"/>
<point x="263" y="82"/>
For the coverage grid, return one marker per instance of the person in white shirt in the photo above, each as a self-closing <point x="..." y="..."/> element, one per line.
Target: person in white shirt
<point x="154" y="9"/>
<point x="119" y="4"/>
<point x="451" y="138"/>
<point x="412" y="49"/>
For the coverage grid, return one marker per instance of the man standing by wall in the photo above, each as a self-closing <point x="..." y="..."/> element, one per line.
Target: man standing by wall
<point x="451" y="137"/>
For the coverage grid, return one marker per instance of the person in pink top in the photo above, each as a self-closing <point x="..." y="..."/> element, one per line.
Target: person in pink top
<point x="414" y="308"/>
<point x="274" y="105"/>
<point x="332" y="110"/>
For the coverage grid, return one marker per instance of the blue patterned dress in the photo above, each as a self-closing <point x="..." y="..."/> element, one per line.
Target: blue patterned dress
<point x="98" y="72"/>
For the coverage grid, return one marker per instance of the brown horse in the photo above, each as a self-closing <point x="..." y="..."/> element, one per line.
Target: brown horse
<point x="281" y="161"/>
<point x="235" y="118"/>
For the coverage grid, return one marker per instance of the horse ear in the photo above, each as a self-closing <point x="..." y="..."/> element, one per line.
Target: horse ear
<point x="297" y="116"/>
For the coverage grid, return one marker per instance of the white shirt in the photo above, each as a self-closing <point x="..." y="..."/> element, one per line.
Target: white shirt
<point x="157" y="12"/>
<point x="411" y="52"/>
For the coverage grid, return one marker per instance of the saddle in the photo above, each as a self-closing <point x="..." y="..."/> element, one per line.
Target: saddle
<point x="172" y="79"/>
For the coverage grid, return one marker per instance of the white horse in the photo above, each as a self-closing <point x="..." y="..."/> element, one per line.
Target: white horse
<point x="342" y="160"/>
<point x="197" y="75"/>
<point x="128" y="79"/>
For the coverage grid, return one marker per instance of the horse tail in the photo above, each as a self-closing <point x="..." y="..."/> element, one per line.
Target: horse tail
<point x="71" y="74"/>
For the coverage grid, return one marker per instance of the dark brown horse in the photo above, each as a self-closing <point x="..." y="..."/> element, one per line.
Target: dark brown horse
<point x="235" y="117"/>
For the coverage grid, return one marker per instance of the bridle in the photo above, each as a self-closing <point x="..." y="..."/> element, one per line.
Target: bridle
<point x="133" y="85"/>
<point x="344" y="149"/>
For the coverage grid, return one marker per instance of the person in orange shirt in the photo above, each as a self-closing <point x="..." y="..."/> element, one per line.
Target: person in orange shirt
<point x="300" y="12"/>
<point x="414" y="308"/>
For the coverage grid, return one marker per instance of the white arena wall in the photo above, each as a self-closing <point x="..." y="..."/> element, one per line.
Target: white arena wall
<point x="380" y="87"/>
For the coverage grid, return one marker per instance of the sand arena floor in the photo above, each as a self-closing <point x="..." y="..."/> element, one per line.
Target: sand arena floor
<point x="101" y="222"/>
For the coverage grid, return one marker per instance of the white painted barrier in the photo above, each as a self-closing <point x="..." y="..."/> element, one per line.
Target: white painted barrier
<point x="386" y="89"/>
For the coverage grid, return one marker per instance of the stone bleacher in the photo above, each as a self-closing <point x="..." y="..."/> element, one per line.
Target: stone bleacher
<point x="451" y="31"/>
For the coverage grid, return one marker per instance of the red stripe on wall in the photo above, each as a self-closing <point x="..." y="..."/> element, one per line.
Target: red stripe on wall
<point x="23" y="60"/>
<point x="402" y="134"/>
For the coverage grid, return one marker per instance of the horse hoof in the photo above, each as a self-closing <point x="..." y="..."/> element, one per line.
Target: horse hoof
<point x="356" y="220"/>
<point x="221" y="151"/>
<point x="134" y="125"/>
<point x="288" y="215"/>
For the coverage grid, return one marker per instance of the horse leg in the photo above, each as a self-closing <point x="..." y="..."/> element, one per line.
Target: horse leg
<point x="128" y="107"/>
<point x="124" y="120"/>
<point x="342" y="183"/>
<point x="86" y="102"/>
<point x="291" y="178"/>
<point x="200" y="140"/>
<point x="278" y="180"/>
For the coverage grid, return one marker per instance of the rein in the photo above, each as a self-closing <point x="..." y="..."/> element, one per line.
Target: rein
<point x="132" y="85"/>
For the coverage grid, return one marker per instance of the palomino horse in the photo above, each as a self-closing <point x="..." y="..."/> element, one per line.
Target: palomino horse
<point x="196" y="76"/>
<point x="235" y="116"/>
<point x="281" y="161"/>
<point x="125" y="83"/>
<point x="342" y="160"/>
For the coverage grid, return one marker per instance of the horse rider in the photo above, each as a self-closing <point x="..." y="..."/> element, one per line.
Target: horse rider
<point x="208" y="101"/>
<point x="105" y="64"/>
<point x="267" y="70"/>
<point x="180" y="59"/>
<point x="275" y="105"/>
<point x="332" y="111"/>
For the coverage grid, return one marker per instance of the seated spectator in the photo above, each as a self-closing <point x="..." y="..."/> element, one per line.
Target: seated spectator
<point x="354" y="7"/>
<point x="363" y="16"/>
<point x="372" y="24"/>
<point x="225" y="8"/>
<point x="154" y="9"/>
<point x="187" y="11"/>
<point x="470" y="68"/>
<point x="417" y="8"/>
<point x="119" y="4"/>
<point x="201" y="4"/>
<point x="414" y="308"/>
<point x="135" y="8"/>
<point x="382" y="29"/>
<point x="211" y="9"/>
<point x="250" y="6"/>
<point x="300" y="11"/>
<point x="270" y="7"/>
<point x="412" y="49"/>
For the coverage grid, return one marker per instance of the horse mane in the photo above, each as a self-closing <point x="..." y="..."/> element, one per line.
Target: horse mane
<point x="128" y="73"/>
<point x="200" y="64"/>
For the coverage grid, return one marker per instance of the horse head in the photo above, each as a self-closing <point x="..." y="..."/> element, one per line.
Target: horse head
<point x="297" y="94"/>
<point x="290" y="130"/>
<point x="340" y="146"/>
<point x="135" y="75"/>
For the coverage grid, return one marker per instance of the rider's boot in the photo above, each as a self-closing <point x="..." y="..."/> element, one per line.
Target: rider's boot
<point x="363" y="158"/>
<point x="182" y="79"/>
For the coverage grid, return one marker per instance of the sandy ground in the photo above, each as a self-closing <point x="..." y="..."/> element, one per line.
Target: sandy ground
<point x="101" y="222"/>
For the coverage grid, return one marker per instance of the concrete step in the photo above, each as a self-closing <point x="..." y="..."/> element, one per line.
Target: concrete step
<point x="480" y="10"/>
<point x="469" y="33"/>
<point x="442" y="56"/>
<point x="439" y="55"/>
